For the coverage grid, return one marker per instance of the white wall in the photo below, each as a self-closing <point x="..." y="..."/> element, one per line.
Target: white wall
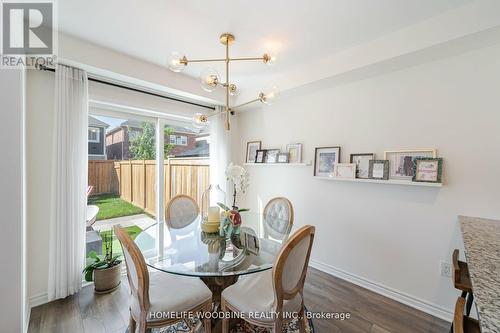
<point x="12" y="238"/>
<point x="390" y="238"/>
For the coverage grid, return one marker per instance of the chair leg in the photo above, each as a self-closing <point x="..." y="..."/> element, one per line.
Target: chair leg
<point x="302" y="323"/>
<point x="208" y="320"/>
<point x="468" y="307"/>
<point x="225" y="321"/>
<point x="278" y="326"/>
<point x="142" y="326"/>
<point x="131" y="325"/>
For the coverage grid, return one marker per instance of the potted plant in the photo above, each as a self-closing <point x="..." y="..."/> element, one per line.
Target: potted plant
<point x="238" y="177"/>
<point x="104" y="270"/>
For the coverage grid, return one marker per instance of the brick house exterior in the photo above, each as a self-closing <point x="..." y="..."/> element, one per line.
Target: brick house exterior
<point x="118" y="140"/>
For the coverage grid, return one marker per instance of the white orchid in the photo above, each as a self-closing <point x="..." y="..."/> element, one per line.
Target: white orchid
<point x="238" y="176"/>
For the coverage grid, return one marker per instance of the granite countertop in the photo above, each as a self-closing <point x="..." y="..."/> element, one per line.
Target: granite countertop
<point x="482" y="250"/>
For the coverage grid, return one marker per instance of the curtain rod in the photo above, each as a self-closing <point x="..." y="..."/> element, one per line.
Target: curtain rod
<point x="44" y="68"/>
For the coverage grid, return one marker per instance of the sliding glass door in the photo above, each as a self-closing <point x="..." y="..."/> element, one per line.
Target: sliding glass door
<point x="122" y="177"/>
<point x="137" y="164"/>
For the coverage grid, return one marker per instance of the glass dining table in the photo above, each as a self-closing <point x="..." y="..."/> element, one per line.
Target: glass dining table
<point x="217" y="260"/>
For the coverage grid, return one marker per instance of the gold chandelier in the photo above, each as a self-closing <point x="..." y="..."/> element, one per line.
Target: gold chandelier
<point x="210" y="80"/>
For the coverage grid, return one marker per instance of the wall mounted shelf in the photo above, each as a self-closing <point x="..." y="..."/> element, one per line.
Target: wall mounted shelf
<point x="278" y="164"/>
<point x="378" y="181"/>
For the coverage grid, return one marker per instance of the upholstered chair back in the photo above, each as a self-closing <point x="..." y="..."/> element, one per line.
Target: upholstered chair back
<point x="278" y="218"/>
<point x="181" y="211"/>
<point x="289" y="271"/>
<point x="137" y="271"/>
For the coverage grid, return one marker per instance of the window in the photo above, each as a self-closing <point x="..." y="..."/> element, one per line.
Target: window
<point x="94" y="134"/>
<point x="178" y="140"/>
<point x="133" y="134"/>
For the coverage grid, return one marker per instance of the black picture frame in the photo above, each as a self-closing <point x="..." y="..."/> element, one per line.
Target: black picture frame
<point x="337" y="160"/>
<point x="439" y="169"/>
<point x="261" y="159"/>
<point x="385" y="172"/>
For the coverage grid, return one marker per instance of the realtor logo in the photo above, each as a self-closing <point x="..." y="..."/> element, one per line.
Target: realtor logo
<point x="27" y="28"/>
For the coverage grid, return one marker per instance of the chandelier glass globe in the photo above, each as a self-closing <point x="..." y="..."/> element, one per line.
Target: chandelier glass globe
<point x="174" y="62"/>
<point x="209" y="78"/>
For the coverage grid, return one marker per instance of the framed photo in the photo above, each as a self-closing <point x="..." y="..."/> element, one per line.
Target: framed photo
<point x="272" y="155"/>
<point x="362" y="162"/>
<point x="260" y="156"/>
<point x="252" y="147"/>
<point x="252" y="243"/>
<point x="344" y="170"/>
<point x="325" y="159"/>
<point x="379" y="169"/>
<point x="427" y="170"/>
<point x="401" y="161"/>
<point x="294" y="151"/>
<point x="283" y="158"/>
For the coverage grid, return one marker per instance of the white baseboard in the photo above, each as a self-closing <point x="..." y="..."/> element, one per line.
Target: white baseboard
<point x="38" y="299"/>
<point x="414" y="302"/>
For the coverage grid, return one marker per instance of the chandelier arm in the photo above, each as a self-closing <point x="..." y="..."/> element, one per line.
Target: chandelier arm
<point x="246" y="103"/>
<point x="214" y="114"/>
<point x="247" y="58"/>
<point x="187" y="61"/>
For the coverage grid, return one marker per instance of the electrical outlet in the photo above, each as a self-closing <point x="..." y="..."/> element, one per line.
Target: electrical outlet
<point x="445" y="269"/>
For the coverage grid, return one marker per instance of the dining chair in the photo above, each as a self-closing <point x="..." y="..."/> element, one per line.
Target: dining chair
<point x="280" y="290"/>
<point x="278" y="218"/>
<point x="159" y="292"/>
<point x="461" y="281"/>
<point x="181" y="211"/>
<point x="462" y="323"/>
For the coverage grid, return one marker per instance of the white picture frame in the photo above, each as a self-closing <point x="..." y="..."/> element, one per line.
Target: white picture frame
<point x="362" y="161"/>
<point x="272" y="155"/>
<point x="401" y="161"/>
<point x="344" y="171"/>
<point x="294" y="151"/>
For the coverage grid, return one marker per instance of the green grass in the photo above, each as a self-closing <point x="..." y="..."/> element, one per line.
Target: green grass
<point x="133" y="231"/>
<point x="110" y="206"/>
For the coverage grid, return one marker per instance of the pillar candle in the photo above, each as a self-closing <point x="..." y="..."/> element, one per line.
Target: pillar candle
<point x="213" y="214"/>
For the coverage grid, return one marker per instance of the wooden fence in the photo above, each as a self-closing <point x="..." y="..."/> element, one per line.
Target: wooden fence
<point x="135" y="180"/>
<point x="102" y="176"/>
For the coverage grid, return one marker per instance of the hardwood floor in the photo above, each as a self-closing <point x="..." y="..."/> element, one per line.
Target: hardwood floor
<point x="370" y="312"/>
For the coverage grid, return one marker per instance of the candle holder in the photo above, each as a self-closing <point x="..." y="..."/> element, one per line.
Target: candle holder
<point x="210" y="210"/>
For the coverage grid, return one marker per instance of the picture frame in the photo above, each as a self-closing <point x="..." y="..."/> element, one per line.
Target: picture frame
<point x="427" y="170"/>
<point x="401" y="161"/>
<point x="362" y="161"/>
<point x="283" y="158"/>
<point x="344" y="171"/>
<point x="325" y="159"/>
<point x="294" y="151"/>
<point x="260" y="156"/>
<point x="252" y="243"/>
<point x="272" y="155"/>
<point x="252" y="147"/>
<point x="379" y="169"/>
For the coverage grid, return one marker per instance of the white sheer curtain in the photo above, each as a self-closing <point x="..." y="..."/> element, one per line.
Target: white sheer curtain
<point x="69" y="182"/>
<point x="220" y="150"/>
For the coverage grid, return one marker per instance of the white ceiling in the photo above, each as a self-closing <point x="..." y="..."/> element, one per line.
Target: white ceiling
<point x="297" y="31"/>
